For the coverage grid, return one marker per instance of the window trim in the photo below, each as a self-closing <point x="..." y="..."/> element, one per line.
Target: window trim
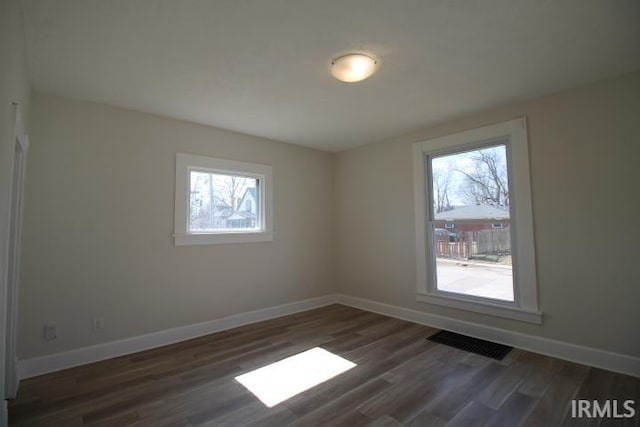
<point x="185" y="163"/>
<point x="525" y="305"/>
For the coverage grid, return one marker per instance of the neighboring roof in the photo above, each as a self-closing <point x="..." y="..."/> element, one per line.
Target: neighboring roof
<point x="473" y="212"/>
<point x="224" y="212"/>
<point x="241" y="215"/>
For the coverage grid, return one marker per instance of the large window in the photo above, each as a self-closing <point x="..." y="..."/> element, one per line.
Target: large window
<point x="221" y="201"/>
<point x="475" y="248"/>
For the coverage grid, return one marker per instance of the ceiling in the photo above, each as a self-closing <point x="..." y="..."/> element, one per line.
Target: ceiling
<point x="261" y="67"/>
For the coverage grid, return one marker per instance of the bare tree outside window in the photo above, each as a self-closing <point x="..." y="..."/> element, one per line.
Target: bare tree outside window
<point x="231" y="189"/>
<point x="442" y="183"/>
<point x="486" y="181"/>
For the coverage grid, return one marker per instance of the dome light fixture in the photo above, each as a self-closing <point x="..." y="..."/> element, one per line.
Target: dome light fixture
<point x="353" y="67"/>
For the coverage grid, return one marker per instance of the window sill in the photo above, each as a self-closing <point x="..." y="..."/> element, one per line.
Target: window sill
<point x="498" y="310"/>
<point x="221" y="238"/>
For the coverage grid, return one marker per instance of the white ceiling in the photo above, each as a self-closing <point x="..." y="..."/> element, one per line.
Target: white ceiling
<point x="261" y="67"/>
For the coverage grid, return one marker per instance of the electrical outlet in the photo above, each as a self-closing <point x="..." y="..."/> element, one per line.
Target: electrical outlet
<point x="98" y="324"/>
<point x="50" y="332"/>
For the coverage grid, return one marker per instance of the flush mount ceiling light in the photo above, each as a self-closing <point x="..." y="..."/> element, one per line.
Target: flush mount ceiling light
<point x="354" y="67"/>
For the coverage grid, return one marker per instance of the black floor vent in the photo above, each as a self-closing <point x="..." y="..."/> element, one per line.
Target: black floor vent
<point x="473" y="345"/>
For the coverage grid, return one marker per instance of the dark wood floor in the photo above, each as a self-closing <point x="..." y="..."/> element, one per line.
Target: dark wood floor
<point x="400" y="379"/>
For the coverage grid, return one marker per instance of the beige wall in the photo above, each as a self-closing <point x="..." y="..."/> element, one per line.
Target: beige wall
<point x="99" y="219"/>
<point x="14" y="87"/>
<point x="584" y="154"/>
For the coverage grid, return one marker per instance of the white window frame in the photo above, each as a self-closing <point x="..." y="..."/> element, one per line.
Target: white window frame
<point x="525" y="304"/>
<point x="185" y="163"/>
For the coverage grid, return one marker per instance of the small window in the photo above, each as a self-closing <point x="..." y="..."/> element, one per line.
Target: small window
<point x="479" y="181"/>
<point x="214" y="201"/>
<point x="448" y="225"/>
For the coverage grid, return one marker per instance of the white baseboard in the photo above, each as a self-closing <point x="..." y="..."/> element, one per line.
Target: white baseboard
<point x="580" y="354"/>
<point x="41" y="365"/>
<point x="616" y="362"/>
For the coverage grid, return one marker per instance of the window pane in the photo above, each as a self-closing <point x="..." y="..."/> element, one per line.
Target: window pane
<point x="220" y="202"/>
<point x="471" y="223"/>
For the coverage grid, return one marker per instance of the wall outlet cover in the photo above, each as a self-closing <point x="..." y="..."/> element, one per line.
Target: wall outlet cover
<point x="50" y="333"/>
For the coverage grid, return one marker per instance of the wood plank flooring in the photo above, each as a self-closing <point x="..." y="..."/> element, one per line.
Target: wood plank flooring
<point x="400" y="379"/>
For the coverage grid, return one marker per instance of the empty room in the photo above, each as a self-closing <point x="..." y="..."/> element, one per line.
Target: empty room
<point x="319" y="213"/>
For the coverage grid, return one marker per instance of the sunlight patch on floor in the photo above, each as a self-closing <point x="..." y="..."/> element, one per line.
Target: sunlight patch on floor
<point x="284" y="379"/>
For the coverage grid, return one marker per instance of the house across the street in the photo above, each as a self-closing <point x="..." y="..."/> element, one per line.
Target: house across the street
<point x="473" y="230"/>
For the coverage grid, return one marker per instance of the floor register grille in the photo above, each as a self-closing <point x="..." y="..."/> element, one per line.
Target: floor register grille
<point x="470" y="344"/>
